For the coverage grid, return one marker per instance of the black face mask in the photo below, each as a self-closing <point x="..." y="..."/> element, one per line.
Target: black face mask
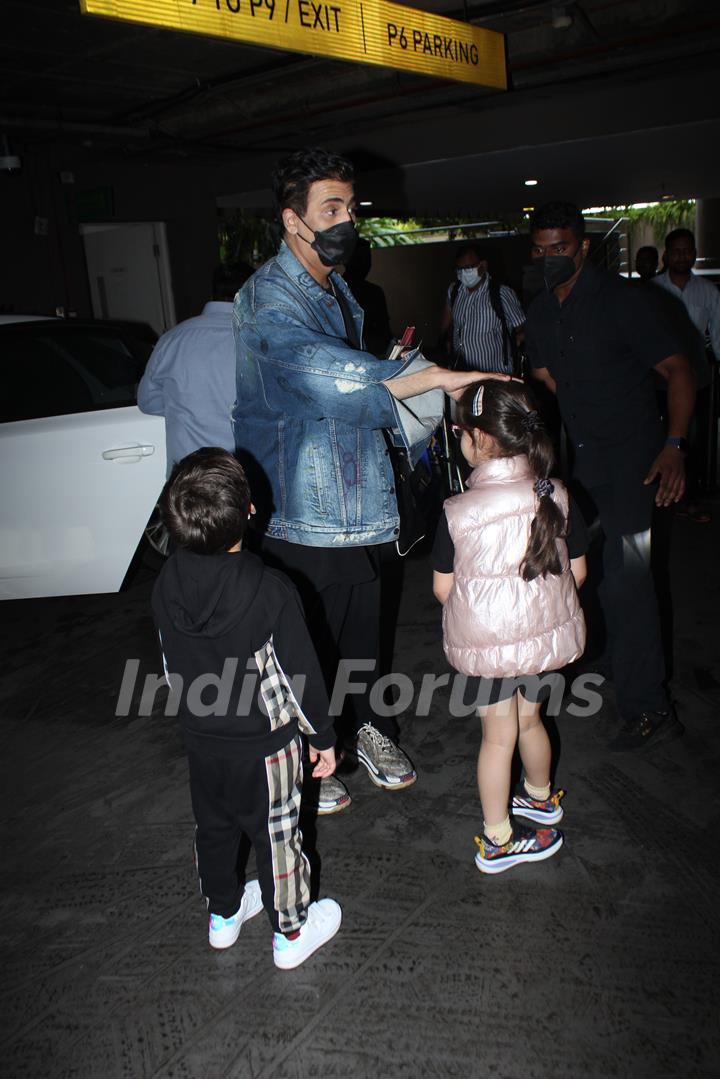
<point x="335" y="245"/>
<point x="548" y="272"/>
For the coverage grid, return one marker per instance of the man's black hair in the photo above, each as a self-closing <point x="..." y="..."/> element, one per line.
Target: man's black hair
<point x="467" y="248"/>
<point x="205" y="502"/>
<point x="647" y="250"/>
<point x="558" y="215"/>
<point x="680" y="234"/>
<point x="293" y="176"/>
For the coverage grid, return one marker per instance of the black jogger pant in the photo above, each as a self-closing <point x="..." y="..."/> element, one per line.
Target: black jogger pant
<point x="258" y="798"/>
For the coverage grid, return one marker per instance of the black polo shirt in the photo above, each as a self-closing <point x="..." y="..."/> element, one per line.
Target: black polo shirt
<point x="601" y="345"/>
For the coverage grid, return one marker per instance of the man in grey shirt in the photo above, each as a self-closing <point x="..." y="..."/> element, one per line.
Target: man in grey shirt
<point x="190" y="377"/>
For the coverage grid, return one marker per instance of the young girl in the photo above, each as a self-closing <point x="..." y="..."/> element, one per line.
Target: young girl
<point x="502" y="571"/>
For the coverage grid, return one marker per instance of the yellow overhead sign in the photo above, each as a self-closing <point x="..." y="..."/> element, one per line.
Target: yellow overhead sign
<point x="366" y="31"/>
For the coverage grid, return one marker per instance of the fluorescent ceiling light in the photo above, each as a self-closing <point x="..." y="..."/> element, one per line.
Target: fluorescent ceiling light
<point x="531" y="183"/>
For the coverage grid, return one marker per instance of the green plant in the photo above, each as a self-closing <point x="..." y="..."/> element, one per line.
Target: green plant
<point x="387" y="231"/>
<point x="662" y="217"/>
<point x="244" y="237"/>
<point x="392" y="232"/>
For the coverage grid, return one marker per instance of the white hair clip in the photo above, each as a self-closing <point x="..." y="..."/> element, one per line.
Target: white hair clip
<point x="477" y="405"/>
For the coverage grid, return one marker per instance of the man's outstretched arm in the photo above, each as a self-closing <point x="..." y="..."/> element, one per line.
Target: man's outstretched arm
<point x="437" y="378"/>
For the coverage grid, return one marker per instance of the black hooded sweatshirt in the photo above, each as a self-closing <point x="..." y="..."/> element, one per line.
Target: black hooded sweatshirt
<point x="234" y="638"/>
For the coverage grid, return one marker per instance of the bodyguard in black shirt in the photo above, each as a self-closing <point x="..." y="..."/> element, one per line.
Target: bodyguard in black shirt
<point x="595" y="341"/>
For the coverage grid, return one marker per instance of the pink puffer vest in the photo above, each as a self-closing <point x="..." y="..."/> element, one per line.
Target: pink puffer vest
<point x="494" y="623"/>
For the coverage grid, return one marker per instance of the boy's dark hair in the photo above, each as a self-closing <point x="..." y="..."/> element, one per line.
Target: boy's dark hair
<point x="205" y="502"/>
<point x="680" y="234"/>
<point x="292" y="177"/>
<point x="558" y="215"/>
<point x="509" y="414"/>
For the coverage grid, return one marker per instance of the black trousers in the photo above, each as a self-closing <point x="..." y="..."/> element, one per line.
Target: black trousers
<point x="238" y="802"/>
<point x="344" y="622"/>
<point x="629" y="602"/>
<point x="341" y="596"/>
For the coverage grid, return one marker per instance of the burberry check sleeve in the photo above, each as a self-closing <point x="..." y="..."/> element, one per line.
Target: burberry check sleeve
<point x="291" y="680"/>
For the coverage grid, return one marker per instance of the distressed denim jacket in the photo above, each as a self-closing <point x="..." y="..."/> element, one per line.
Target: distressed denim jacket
<point x="311" y="410"/>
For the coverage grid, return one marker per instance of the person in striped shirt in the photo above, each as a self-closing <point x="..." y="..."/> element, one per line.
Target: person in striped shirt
<point x="482" y="318"/>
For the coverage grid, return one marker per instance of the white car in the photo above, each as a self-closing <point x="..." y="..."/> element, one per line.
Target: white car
<point x="81" y="467"/>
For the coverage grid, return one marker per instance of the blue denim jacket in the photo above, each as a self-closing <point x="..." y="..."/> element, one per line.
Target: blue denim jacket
<point x="310" y="409"/>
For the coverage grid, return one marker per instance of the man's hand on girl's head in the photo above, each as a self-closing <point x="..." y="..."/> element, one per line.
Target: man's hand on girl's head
<point x="434" y="377"/>
<point x="458" y="381"/>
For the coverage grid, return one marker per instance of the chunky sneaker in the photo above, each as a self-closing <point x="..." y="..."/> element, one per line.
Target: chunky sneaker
<point x="525" y="845"/>
<point x="386" y="763"/>
<point x="649" y="728"/>
<point x="332" y="797"/>
<point x="320" y="926"/>
<point x="224" y="932"/>
<point x="547" y="811"/>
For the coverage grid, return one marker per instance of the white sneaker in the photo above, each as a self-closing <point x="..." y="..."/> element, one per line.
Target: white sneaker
<point x="321" y="925"/>
<point x="223" y="932"/>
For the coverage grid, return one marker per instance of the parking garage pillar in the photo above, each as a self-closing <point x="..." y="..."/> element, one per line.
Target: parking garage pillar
<point x="707" y="233"/>
<point x="707" y="238"/>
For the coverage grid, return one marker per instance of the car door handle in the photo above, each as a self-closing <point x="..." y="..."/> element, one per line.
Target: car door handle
<point x="128" y="454"/>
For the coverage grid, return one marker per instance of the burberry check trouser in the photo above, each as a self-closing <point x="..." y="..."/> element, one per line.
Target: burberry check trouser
<point x="237" y="802"/>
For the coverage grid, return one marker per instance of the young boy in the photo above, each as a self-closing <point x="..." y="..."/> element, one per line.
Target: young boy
<point x="233" y="635"/>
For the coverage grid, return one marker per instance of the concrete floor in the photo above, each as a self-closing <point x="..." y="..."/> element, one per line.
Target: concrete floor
<point x="600" y="962"/>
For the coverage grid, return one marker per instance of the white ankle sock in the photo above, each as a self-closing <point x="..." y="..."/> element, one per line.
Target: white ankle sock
<point x="540" y="794"/>
<point x="499" y="833"/>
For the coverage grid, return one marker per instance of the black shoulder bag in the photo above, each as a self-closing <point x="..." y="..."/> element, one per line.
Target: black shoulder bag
<point x="414" y="496"/>
<point x="510" y="349"/>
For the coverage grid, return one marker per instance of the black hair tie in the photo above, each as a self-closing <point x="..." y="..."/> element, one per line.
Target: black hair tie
<point x="544" y="488"/>
<point x="531" y="421"/>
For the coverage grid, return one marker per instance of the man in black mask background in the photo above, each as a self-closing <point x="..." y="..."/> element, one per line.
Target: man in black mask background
<point x="377" y="333"/>
<point x="594" y="341"/>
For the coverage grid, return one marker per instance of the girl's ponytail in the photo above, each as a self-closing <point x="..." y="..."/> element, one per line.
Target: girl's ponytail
<point x="506" y="410"/>
<point x="541" y="556"/>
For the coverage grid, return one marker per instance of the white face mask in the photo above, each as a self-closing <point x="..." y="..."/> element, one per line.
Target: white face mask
<point x="469" y="276"/>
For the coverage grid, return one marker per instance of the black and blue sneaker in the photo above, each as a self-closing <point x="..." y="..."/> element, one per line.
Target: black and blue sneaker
<point x="525" y="845"/>
<point x="545" y="811"/>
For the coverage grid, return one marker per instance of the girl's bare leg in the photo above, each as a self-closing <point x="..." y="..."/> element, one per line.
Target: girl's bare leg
<point x="534" y="744"/>
<point x="499" y="738"/>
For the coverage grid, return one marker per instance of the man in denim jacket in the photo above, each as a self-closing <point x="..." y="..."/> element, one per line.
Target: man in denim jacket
<point x="309" y="418"/>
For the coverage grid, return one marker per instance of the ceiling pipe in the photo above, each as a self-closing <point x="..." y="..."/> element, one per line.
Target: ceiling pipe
<point x="529" y="81"/>
<point x="260" y="75"/>
<point x="75" y="127"/>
